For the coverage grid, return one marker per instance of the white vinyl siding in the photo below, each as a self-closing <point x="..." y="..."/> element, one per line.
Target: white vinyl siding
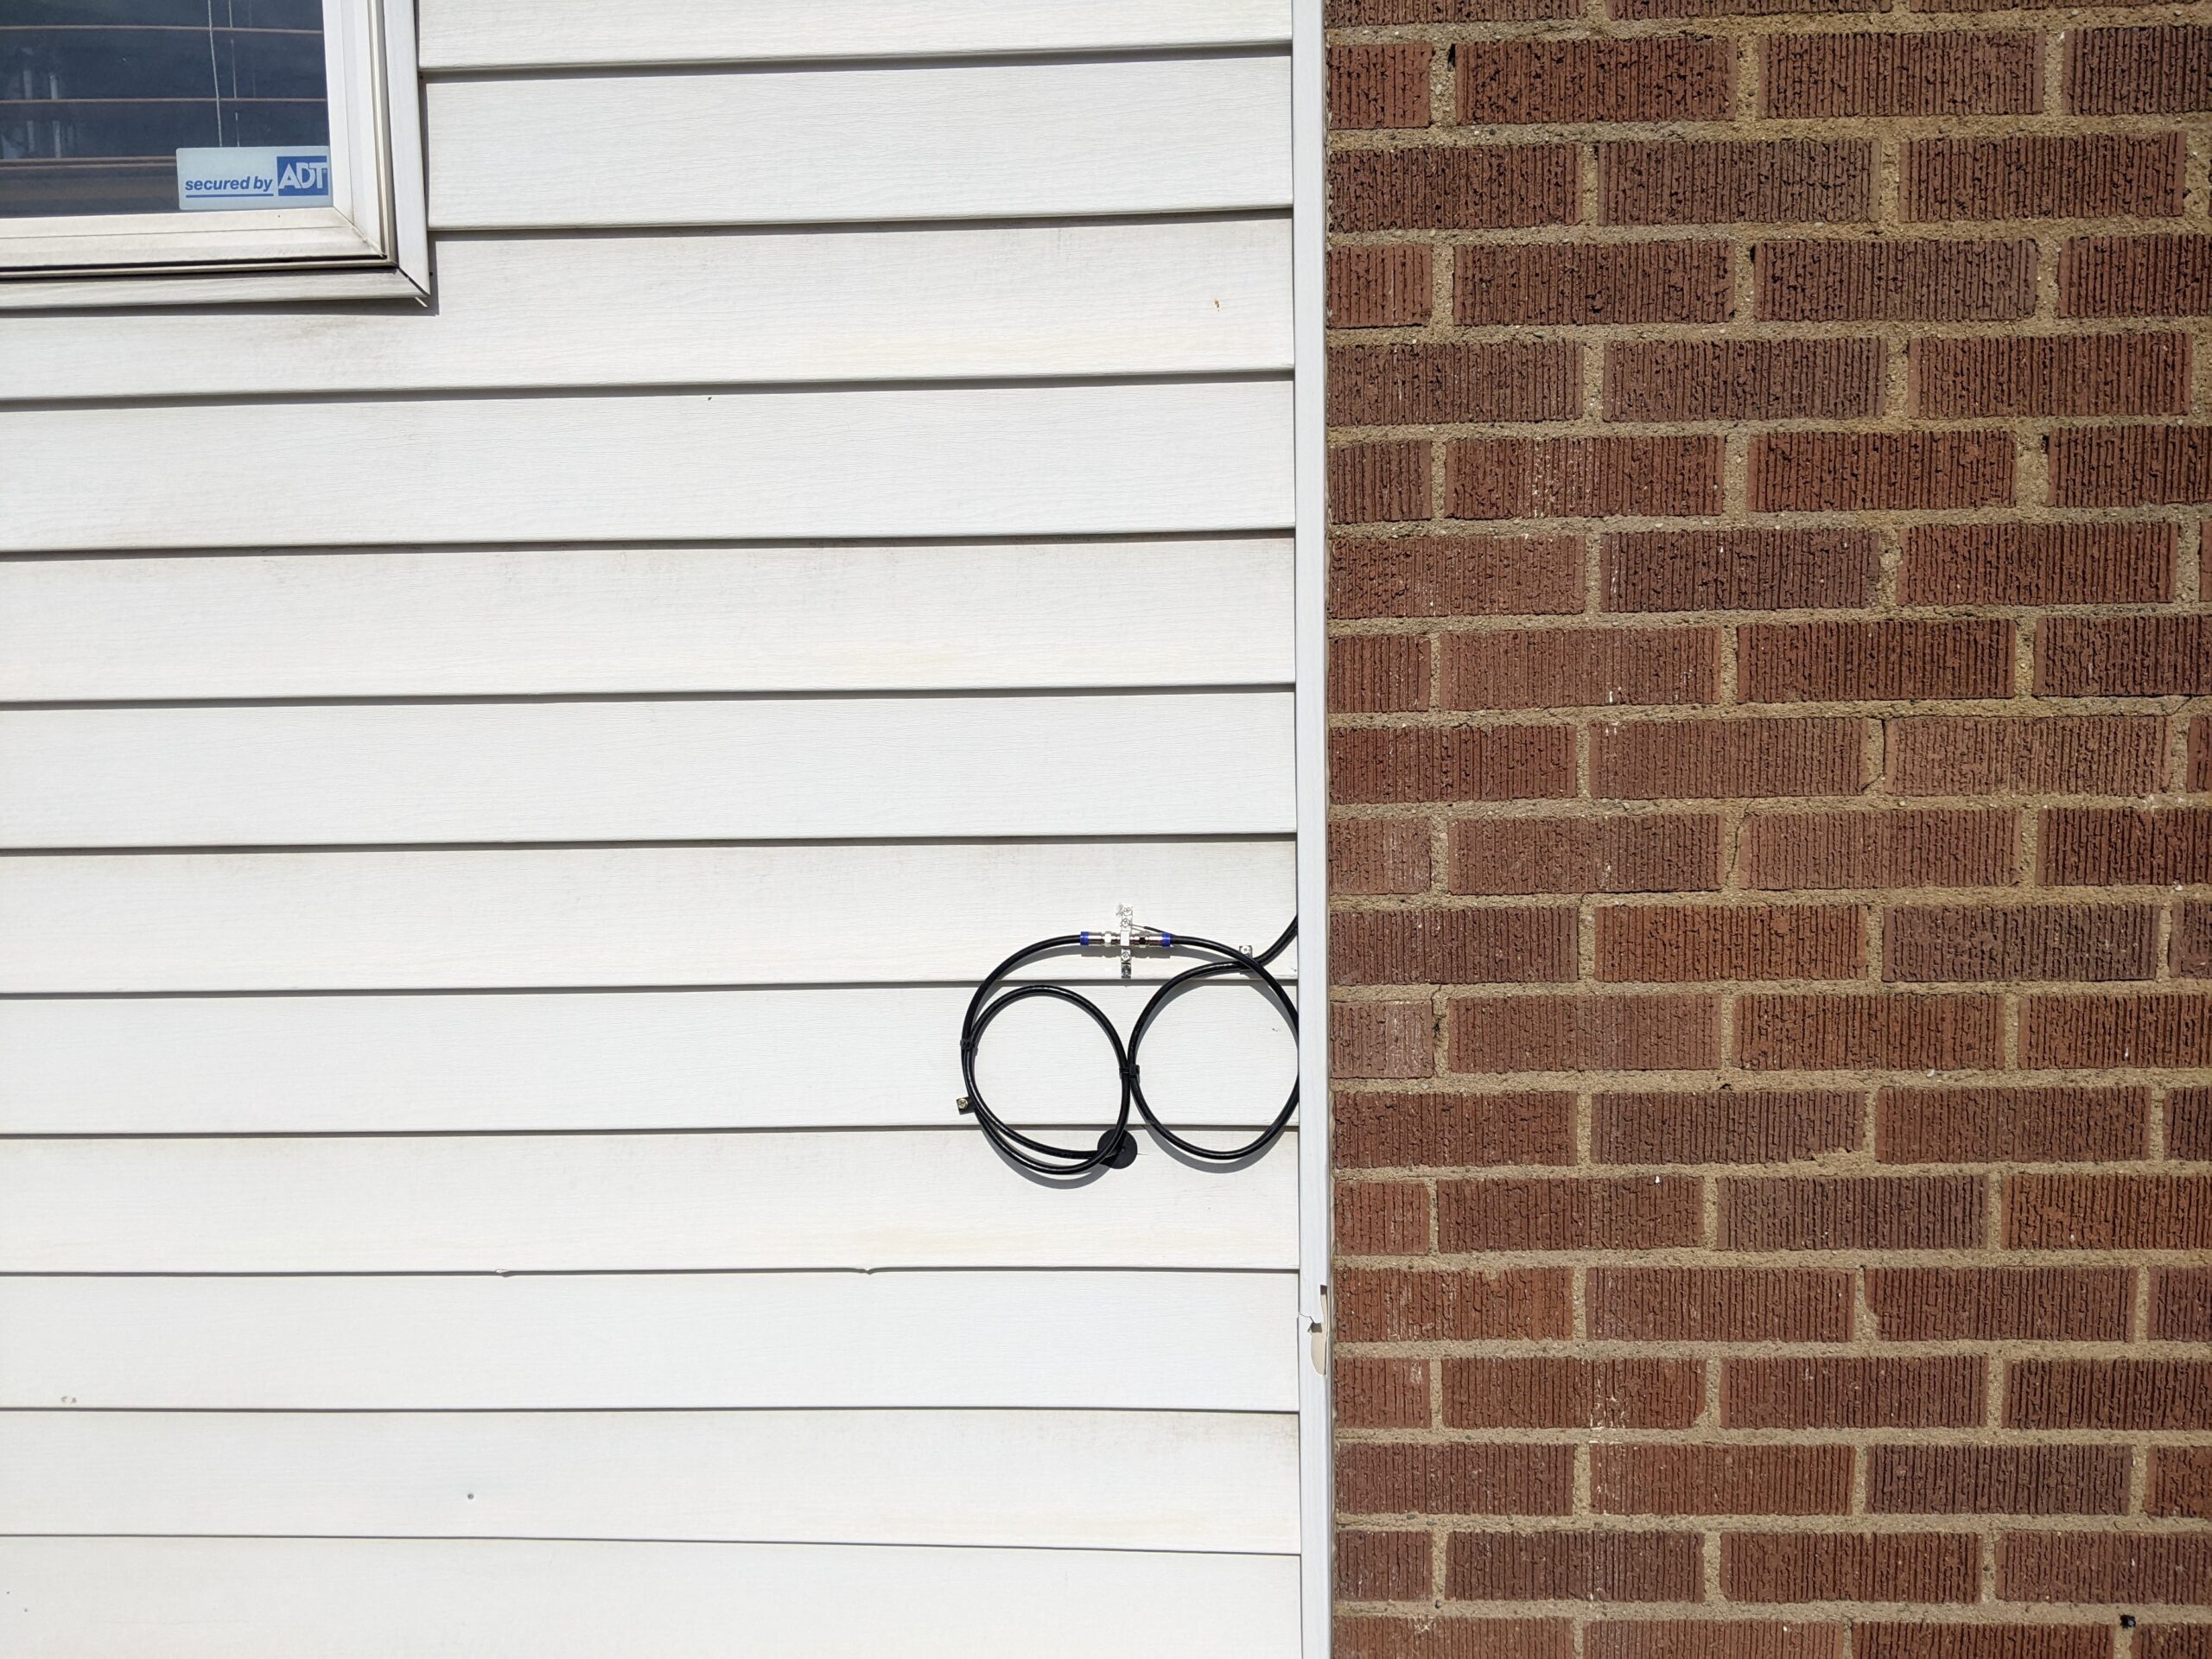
<point x="1084" y="459"/>
<point x="770" y="1058"/>
<point x="505" y="33"/>
<point x="698" y="309"/>
<point x="371" y="1599"/>
<point x="1207" y="134"/>
<point x="505" y="802"/>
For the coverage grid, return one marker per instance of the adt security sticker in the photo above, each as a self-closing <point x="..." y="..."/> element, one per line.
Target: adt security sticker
<point x="294" y="176"/>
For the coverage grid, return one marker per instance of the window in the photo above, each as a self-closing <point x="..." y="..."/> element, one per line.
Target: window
<point x="178" y="151"/>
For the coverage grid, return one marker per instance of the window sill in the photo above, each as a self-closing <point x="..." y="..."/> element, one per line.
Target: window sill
<point x="223" y="288"/>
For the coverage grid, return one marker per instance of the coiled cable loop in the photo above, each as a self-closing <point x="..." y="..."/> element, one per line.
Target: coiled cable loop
<point x="1117" y="1147"/>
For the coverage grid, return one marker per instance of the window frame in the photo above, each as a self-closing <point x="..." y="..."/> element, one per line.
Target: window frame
<point x="372" y="242"/>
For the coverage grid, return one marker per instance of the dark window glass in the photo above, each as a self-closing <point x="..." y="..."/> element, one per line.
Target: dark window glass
<point x="97" y="97"/>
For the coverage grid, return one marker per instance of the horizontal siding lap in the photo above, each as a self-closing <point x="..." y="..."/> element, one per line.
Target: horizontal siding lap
<point x="1143" y="135"/>
<point x="532" y="34"/>
<point x="1049" y="460"/>
<point x="829" y="1478"/>
<point x="538" y="621"/>
<point x="889" y="302"/>
<point x="596" y="1060"/>
<point x="565" y="1600"/>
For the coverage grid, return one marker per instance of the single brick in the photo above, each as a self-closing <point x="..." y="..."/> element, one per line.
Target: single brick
<point x="2130" y="466"/>
<point x="1432" y="1637"/>
<point x="1953" y="73"/>
<point x="1369" y="14"/>
<point x="2089" y="175"/>
<point x="1958" y="943"/>
<point x="1782" y="851"/>
<point x="1377" y="674"/>
<point x="1455" y="576"/>
<point x="1381" y="1219"/>
<point x="2082" y="374"/>
<point x="2124" y="656"/>
<point x="1376" y="1477"/>
<point x="2002" y="755"/>
<point x="1378" y="856"/>
<point x="2000" y="1304"/>
<point x="2181" y="1483"/>
<point x="1577" y="668"/>
<point x="2192" y="940"/>
<point x="2098" y="847"/>
<point x="2105" y="1566"/>
<point x="2189" y="1124"/>
<point x="1918" y="280"/>
<point x="1378" y="86"/>
<point x="2108" y="1212"/>
<point x="1381" y="1040"/>
<point x="1980" y="1641"/>
<point x="1391" y="1129"/>
<point x="2198" y="766"/>
<point x="1583" y="477"/>
<point x="1726" y="758"/>
<point x="1690" y="1638"/>
<point x="1635" y="1212"/>
<point x="1645" y="853"/>
<point x="1740" y="569"/>
<point x="1371" y="483"/>
<point x="2068" y="1124"/>
<point x="2135" y="276"/>
<point x="1454" y="188"/>
<point x="2109" y="1394"/>
<point x="1923" y="1567"/>
<point x="1572" y="1566"/>
<point x="2174" y="1641"/>
<point x="1382" y="1566"/>
<point x="1651" y="78"/>
<point x="1721" y="1479"/>
<point x="1459" y="763"/>
<point x="1452" y="947"/>
<point x="1744" y="380"/>
<point x="1555" y="1393"/>
<point x="1420" y="385"/>
<point x="1782" y="1031"/>
<point x="2138" y="71"/>
<point x="2086" y="1031"/>
<point x="2091" y="563"/>
<point x="1380" y="1393"/>
<point x="1942" y="1392"/>
<point x="1896" y="658"/>
<point x="1680" y="944"/>
<point x="2181" y="1305"/>
<point x="1555" y="283"/>
<point x="1579" y="1034"/>
<point x="1718" y="1304"/>
<point x="1727" y="1126"/>
<point x="1862" y="1212"/>
<point x="1379" y="288"/>
<point x="1794" y="182"/>
<point x="1997" y="1480"/>
<point x="1406" y="1305"/>
<point x="1858" y="472"/>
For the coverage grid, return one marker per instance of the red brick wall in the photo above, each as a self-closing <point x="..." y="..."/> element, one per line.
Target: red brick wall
<point x="1774" y="867"/>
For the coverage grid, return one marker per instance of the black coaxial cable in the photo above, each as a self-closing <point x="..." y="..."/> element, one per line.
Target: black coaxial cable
<point x="1117" y="1147"/>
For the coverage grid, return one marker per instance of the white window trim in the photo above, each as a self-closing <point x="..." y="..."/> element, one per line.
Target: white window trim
<point x="371" y="243"/>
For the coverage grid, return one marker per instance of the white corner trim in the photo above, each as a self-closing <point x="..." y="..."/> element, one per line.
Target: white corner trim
<point x="1317" y="1502"/>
